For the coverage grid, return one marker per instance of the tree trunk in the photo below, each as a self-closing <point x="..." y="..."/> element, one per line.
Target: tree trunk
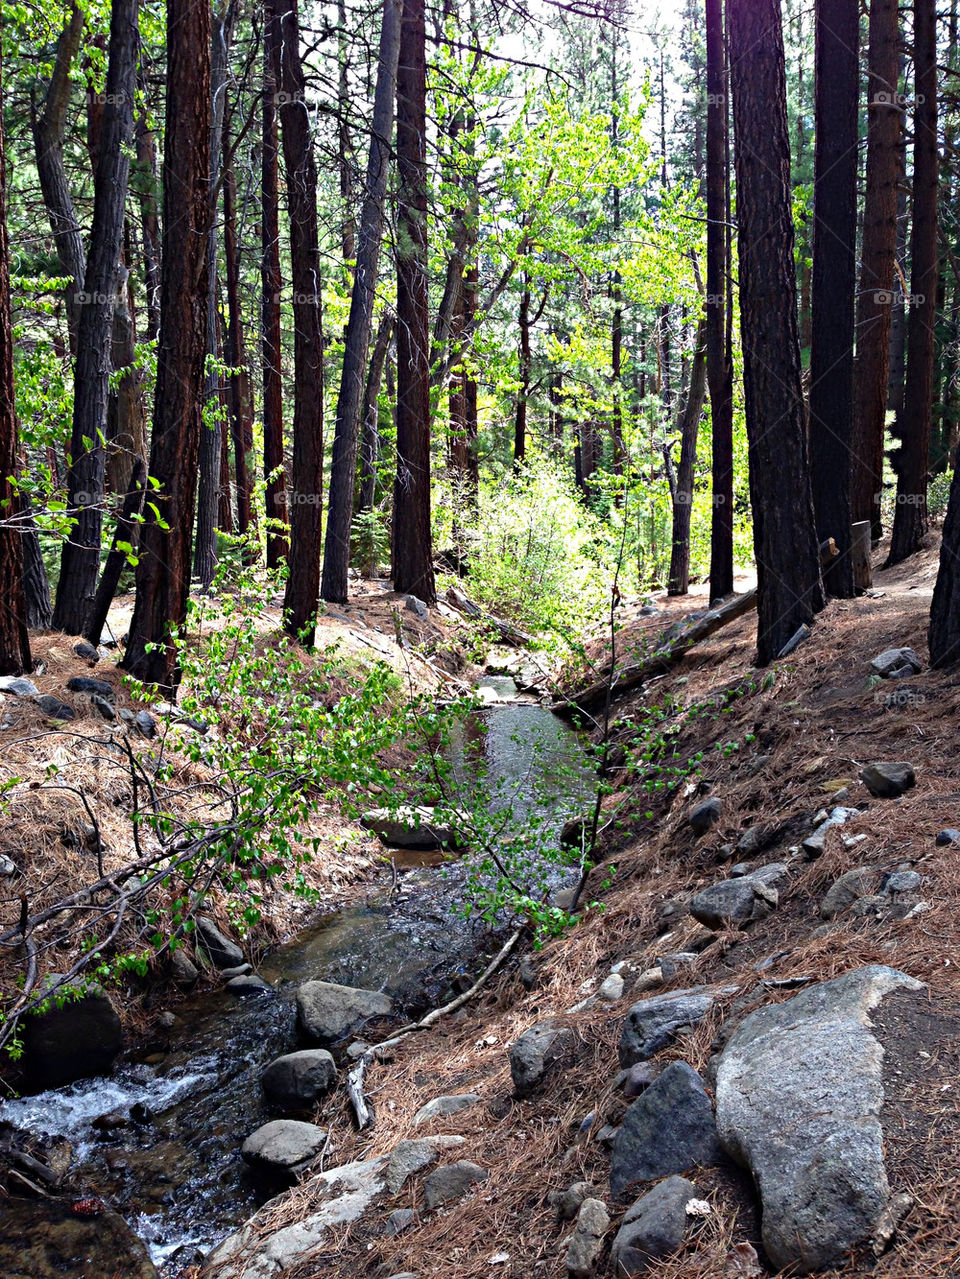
<point x="36" y="584"/>
<point x="150" y="226"/>
<point x="80" y="557"/>
<point x="270" y="285"/>
<point x="163" y="572"/>
<point x="344" y="158"/>
<point x="789" y="587"/>
<point x="682" y="487"/>
<point x="370" y="440"/>
<point x="874" y="296"/>
<point x="239" y="389"/>
<point x="523" y="352"/>
<point x="128" y="532"/>
<point x="837" y="84"/>
<point x="913" y="427"/>
<point x="343" y="466"/>
<point x="412" y="557"/>
<point x="303" y="581"/>
<point x="126" y="420"/>
<point x="719" y="358"/>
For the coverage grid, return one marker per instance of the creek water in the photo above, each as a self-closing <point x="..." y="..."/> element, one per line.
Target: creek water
<point x="173" y="1167"/>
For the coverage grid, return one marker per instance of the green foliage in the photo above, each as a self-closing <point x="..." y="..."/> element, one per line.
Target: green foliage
<point x="369" y="541"/>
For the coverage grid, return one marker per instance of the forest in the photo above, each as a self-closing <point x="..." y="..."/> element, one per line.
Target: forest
<point x="479" y="629"/>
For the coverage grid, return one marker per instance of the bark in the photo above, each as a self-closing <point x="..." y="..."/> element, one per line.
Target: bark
<point x="127" y="531"/>
<point x="80" y="558"/>
<point x="412" y="558"/>
<point x="343" y="466"/>
<point x="303" y="581"/>
<point x="126" y="420"/>
<point x="14" y="641"/>
<point x="682" y="486"/>
<point x="370" y="438"/>
<point x="523" y="352"/>
<point x="344" y="158"/>
<point x="789" y="586"/>
<point x="163" y="572"/>
<point x="270" y="284"/>
<point x="898" y="318"/>
<point x="913" y="426"/>
<point x="36" y="585"/>
<point x="943" y="636"/>
<point x="719" y="358"/>
<point x="150" y="225"/>
<point x="875" y="296"/>
<point x="239" y="388"/>
<point x="834" y="281"/>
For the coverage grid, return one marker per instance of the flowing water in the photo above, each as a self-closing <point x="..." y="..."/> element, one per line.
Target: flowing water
<point x="173" y="1169"/>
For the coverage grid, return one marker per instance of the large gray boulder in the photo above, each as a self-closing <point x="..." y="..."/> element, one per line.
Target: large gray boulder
<point x="888" y="780"/>
<point x="223" y="952"/>
<point x="296" y="1080"/>
<point x="410" y="826"/>
<point x="799" y="1092"/>
<point x="668" y="1129"/>
<point x="535" y="1053"/>
<point x="733" y="903"/>
<point x="843" y="892"/>
<point x="327" y="1013"/>
<point x="283" y="1145"/>
<point x="76" y="1041"/>
<point x="652" y="1023"/>
<point x="655" y="1226"/>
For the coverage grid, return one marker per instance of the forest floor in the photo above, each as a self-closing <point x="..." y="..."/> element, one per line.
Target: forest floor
<point x="775" y="751"/>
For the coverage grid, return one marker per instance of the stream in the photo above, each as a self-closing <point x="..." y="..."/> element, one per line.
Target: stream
<point x="171" y="1165"/>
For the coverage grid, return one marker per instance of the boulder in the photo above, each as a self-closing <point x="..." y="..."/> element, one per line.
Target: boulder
<point x="799" y="1093"/>
<point x="185" y="971"/>
<point x="535" y="1053"/>
<point x="297" y="1080"/>
<point x="442" y="1107"/>
<point x="733" y="903"/>
<point x="223" y="952"/>
<point x="410" y="826"/>
<point x="54" y="707"/>
<point x="651" y="1024"/>
<point x="104" y="708"/>
<point x="586" y="1242"/>
<point x="145" y="724"/>
<point x="948" y="836"/>
<point x="668" y="1129"/>
<point x="283" y="1145"/>
<point x="638" y="1078"/>
<point x="17" y="686"/>
<point x="843" y="892"/>
<point x="901" y="881"/>
<point x="411" y="1156"/>
<point x="76" y="1041"/>
<point x="611" y="988"/>
<point x="327" y="1013"/>
<point x="888" y="781"/>
<point x="655" y="1226"/>
<point x="86" y="651"/>
<point x="896" y="662"/>
<point x="247" y="984"/>
<point x="705" y="815"/>
<point x="451" y="1182"/>
<point x="46" y="1239"/>
<point x="92" y="687"/>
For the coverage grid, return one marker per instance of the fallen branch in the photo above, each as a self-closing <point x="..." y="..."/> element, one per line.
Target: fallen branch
<point x="509" y="633"/>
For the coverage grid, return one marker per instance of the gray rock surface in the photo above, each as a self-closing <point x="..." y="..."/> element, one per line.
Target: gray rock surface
<point x="17" y="686"/>
<point x="296" y="1080"/>
<point x="247" y="984"/>
<point x="442" y="1107"/>
<point x="327" y="1012"/>
<point x="411" y="1156"/>
<point x="888" y="780"/>
<point x="705" y="815"/>
<point x="76" y="1041"/>
<point x="535" y="1053"/>
<point x="653" y="1023"/>
<point x="815" y="843"/>
<point x="586" y="1242"/>
<point x="668" y="1129"/>
<point x="92" y="687"/>
<point x="54" y="707"/>
<point x="948" y="836"/>
<point x="185" y="971"/>
<point x="799" y="1092"/>
<point x="655" y="1226"/>
<point x="410" y="826"/>
<point x="843" y="892"/>
<point x="451" y="1182"/>
<point x="223" y="952"/>
<point x="283" y="1144"/>
<point x="902" y="881"/>
<point x="893" y="662"/>
<point x="734" y="902"/>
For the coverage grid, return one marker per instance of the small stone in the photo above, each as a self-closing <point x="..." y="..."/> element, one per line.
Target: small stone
<point x="86" y="651"/>
<point x="815" y="843"/>
<point x="17" y="686"/>
<point x="417" y="607"/>
<point x="283" y="1144"/>
<point x="732" y="903"/>
<point x="145" y="724"/>
<point x="104" y="708"/>
<point x="741" y="869"/>
<point x="528" y="974"/>
<point x="411" y="1156"/>
<point x="297" y="1080"/>
<point x="400" y="1219"/>
<point x="948" y="836"/>
<point x="451" y="1182"/>
<point x="705" y="815"/>
<point x="586" y="1243"/>
<point x="535" y="1053"/>
<point x="567" y="1202"/>
<point x="901" y="881"/>
<point x="888" y="781"/>
<point x="54" y="708"/>
<point x="639" y="1078"/>
<point x="241" y="970"/>
<point x="223" y="952"/>
<point x="611" y="988"/>
<point x="668" y="1129"/>
<point x="185" y="971"/>
<point x="7" y="867"/>
<point x="167" y="1020"/>
<point x="93" y="687"/>
<point x="655" y="1226"/>
<point x="844" y="891"/>
<point x="653" y="1023"/>
<point x="442" y="1107"/>
<point x="875" y="904"/>
<point x="248" y="985"/>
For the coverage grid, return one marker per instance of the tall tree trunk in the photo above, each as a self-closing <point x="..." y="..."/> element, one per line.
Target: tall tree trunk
<point x="523" y="352"/>
<point x="150" y="225"/>
<point x="911" y="459"/>
<point x="370" y="438"/>
<point x="80" y="558"/>
<point x="898" y="318"/>
<point x="412" y="557"/>
<point x="239" y="389"/>
<point x="14" y="641"/>
<point x="789" y="589"/>
<point x="344" y="157"/>
<point x="471" y="418"/>
<point x="682" y="486"/>
<point x="126" y="419"/>
<point x="837" y="87"/>
<point x="343" y="467"/>
<point x="719" y="358"/>
<point x="270" y="285"/>
<point x="127" y="534"/>
<point x="36" y="584"/>
<point x="303" y="581"/>
<point x="166" y="539"/>
<point x="874" y="296"/>
<point x="208" y="493"/>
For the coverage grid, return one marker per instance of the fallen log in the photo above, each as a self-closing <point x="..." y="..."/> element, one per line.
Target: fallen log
<point x="509" y="633"/>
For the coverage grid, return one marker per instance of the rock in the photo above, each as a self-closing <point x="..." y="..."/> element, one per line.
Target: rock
<point x="705" y="815"/>
<point x="741" y="869"/>
<point x="754" y="839"/>
<point x="283" y="1145"/>
<point x="223" y="952"/>
<point x="54" y="708"/>
<point x="45" y="1239"/>
<point x="528" y="974"/>
<point x="296" y="1080"/>
<point x="586" y="1243"/>
<point x="733" y="903"/>
<point x="948" y="836"/>
<point x="872" y="904"/>
<point x="185" y="971"/>
<point x="86" y="651"/>
<point x="103" y="708"/>
<point x="7" y="867"/>
<point x="843" y="892"/>
<point x="145" y="724"/>
<point x="241" y="970"/>
<point x="410" y="827"/>
<point x="17" y="686"/>
<point x="534" y="1054"/>
<point x="260" y="1251"/>
<point x="442" y="1107"/>
<point x="896" y="661"/>
<point x="611" y="988"/>
<point x="248" y="984"/>
<point x="901" y="881"/>
<point x="417" y="607"/>
<point x="651" y="1024"/>
<point x="327" y="1013"/>
<point x="93" y="687"/>
<point x="567" y="1202"/>
<point x="77" y="1041"/>
<point x="815" y="843"/>
<point x="799" y="1092"/>
<point x="655" y="1226"/>
<point x="167" y="1020"/>
<point x="573" y="831"/>
<point x="888" y="781"/>
<point x="400" y="1219"/>
<point x="668" y="1129"/>
<point x="639" y="1078"/>
<point x="452" y="1182"/>
<point x="411" y="1156"/>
